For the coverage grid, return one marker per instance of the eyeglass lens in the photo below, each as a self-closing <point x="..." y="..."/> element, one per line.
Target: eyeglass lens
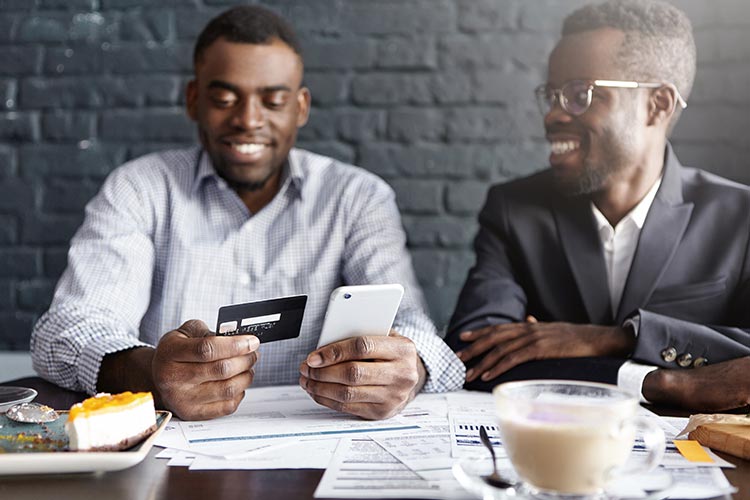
<point x="574" y="97"/>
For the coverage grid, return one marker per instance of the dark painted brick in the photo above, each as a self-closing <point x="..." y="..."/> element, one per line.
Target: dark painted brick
<point x="6" y="5"/>
<point x="17" y="196"/>
<point x="16" y="330"/>
<point x="486" y="123"/>
<point x="454" y="87"/>
<point x="487" y="15"/>
<point x="19" y="126"/>
<point x="42" y="229"/>
<point x="19" y="263"/>
<point x="68" y="125"/>
<point x="8" y="163"/>
<point x="334" y="149"/>
<point x="320" y="126"/>
<point x="158" y="125"/>
<point x="61" y="27"/>
<point x="442" y="302"/>
<point x="440" y="160"/>
<point x="124" y="4"/>
<point x="466" y="197"/>
<point x="7" y="94"/>
<point x="327" y="88"/>
<point x="8" y="26"/>
<point x="360" y="125"/>
<point x="731" y="12"/>
<point x="439" y="231"/>
<point x="416" y="196"/>
<point x="414" y="124"/>
<point x="339" y="54"/>
<point x="391" y="88"/>
<point x="491" y="50"/>
<point x="459" y="263"/>
<point x="377" y="158"/>
<point x="499" y="86"/>
<point x="8" y="229"/>
<point x="320" y="16"/>
<point x="407" y="52"/>
<point x="135" y="58"/>
<point x="55" y="261"/>
<point x="140" y="90"/>
<point x="63" y="92"/>
<point x="546" y="15"/>
<point x="734" y="44"/>
<point x="69" y="4"/>
<point x="20" y="60"/>
<point x="147" y="26"/>
<point x="395" y="16"/>
<point x="429" y="266"/>
<point x="35" y="295"/>
<point x="69" y="160"/>
<point x="77" y="60"/>
<point x="139" y="149"/>
<point x="66" y="195"/>
<point x="189" y="23"/>
<point x="7" y="295"/>
<point x="519" y="159"/>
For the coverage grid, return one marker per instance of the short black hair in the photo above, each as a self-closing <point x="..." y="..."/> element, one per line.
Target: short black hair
<point x="251" y="24"/>
<point x="658" y="44"/>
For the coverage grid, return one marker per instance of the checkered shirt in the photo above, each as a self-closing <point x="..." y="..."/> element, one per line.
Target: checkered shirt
<point x="167" y="240"/>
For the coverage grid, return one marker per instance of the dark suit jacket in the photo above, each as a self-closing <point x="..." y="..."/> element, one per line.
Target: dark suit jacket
<point x="538" y="252"/>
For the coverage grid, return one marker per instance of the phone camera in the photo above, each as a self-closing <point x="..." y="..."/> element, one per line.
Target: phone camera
<point x="347" y="295"/>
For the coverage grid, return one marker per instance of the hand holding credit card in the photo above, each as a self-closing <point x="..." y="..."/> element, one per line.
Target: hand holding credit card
<point x="269" y="320"/>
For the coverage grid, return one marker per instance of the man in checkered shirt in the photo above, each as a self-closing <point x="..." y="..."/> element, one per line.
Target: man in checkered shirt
<point x="173" y="236"/>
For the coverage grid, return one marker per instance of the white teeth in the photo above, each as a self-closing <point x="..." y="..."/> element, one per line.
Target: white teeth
<point x="562" y="147"/>
<point x="248" y="149"/>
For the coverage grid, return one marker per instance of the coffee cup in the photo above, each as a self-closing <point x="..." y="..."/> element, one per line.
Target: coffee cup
<point x="569" y="439"/>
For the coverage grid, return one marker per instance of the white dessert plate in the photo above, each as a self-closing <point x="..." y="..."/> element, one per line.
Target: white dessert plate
<point x="42" y="449"/>
<point x="11" y="396"/>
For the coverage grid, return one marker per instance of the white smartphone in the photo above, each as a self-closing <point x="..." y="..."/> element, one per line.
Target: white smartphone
<point x="360" y="310"/>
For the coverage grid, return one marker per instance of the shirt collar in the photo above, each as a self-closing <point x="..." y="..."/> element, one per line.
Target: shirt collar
<point x="291" y="172"/>
<point x="637" y="214"/>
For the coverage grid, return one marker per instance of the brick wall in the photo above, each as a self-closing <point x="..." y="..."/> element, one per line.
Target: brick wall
<point x="433" y="95"/>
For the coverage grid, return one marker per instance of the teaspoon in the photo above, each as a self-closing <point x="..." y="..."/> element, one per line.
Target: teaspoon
<point x="32" y="413"/>
<point x="494" y="479"/>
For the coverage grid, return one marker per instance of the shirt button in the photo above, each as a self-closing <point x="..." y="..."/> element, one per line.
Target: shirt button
<point x="669" y="354"/>
<point x="685" y="360"/>
<point x="244" y="279"/>
<point x="700" y="361"/>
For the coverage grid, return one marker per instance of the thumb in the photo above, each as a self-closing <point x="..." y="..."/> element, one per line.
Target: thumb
<point x="194" y="328"/>
<point x="531" y="319"/>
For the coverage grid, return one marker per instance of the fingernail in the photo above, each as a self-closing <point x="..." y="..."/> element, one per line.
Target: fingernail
<point x="252" y="343"/>
<point x="465" y="335"/>
<point x="469" y="373"/>
<point x="303" y="369"/>
<point x="314" y="359"/>
<point x="486" y="376"/>
<point x="460" y="355"/>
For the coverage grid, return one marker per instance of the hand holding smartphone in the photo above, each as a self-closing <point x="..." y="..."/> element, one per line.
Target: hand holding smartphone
<point x="360" y="310"/>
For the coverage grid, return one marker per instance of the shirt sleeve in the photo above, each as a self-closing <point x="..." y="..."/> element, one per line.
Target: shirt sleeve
<point x="376" y="253"/>
<point x="104" y="291"/>
<point x="630" y="378"/>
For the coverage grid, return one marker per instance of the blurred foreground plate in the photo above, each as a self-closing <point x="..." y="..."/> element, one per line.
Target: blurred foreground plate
<point x="10" y="396"/>
<point x="43" y="449"/>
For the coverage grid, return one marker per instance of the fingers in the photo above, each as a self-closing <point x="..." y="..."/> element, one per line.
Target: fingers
<point x="370" y="411"/>
<point x="223" y="369"/>
<point x="390" y="348"/>
<point x="208" y="400"/>
<point x="502" y="359"/>
<point x="189" y="344"/>
<point x="488" y="338"/>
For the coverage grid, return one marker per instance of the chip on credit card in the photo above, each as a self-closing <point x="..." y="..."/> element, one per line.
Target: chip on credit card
<point x="269" y="320"/>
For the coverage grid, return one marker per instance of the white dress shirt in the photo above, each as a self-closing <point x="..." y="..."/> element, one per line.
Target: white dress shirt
<point x="620" y="243"/>
<point x="167" y="240"/>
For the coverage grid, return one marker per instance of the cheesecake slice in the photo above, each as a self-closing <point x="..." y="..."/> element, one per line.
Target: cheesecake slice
<point x="110" y="422"/>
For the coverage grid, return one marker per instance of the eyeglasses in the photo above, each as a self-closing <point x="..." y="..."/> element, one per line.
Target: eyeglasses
<point x="575" y="96"/>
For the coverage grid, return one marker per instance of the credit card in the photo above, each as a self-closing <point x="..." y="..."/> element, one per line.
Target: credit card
<point x="269" y="320"/>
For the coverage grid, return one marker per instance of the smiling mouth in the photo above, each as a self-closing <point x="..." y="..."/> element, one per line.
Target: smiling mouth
<point x="248" y="148"/>
<point x="564" y="147"/>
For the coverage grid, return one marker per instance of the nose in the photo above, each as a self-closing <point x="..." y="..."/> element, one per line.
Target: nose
<point x="251" y="115"/>
<point x="556" y="113"/>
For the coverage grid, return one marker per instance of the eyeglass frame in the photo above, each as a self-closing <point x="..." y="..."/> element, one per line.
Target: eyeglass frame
<point x="557" y="94"/>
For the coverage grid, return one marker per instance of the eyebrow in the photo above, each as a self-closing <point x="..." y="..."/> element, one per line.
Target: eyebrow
<point x="214" y="84"/>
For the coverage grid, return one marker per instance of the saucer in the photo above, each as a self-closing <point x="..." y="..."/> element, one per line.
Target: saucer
<point x="10" y="396"/>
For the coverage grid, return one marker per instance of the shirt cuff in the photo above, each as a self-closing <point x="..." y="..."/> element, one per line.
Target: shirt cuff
<point x="630" y="378"/>
<point x="90" y="359"/>
<point x="445" y="372"/>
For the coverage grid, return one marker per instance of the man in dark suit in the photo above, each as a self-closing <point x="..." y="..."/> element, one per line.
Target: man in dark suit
<point x="617" y="263"/>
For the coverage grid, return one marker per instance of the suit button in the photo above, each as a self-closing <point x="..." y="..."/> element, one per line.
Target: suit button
<point x="685" y="360"/>
<point x="669" y="354"/>
<point x="700" y="361"/>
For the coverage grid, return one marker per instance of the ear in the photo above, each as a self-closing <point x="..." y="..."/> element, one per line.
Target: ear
<point x="303" y="106"/>
<point x="662" y="105"/>
<point x="191" y="99"/>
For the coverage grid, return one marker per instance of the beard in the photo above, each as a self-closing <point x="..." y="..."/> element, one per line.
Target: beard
<point x="616" y="153"/>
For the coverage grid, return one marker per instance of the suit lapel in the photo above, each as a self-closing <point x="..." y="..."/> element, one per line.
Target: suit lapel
<point x="583" y="249"/>
<point x="662" y="232"/>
